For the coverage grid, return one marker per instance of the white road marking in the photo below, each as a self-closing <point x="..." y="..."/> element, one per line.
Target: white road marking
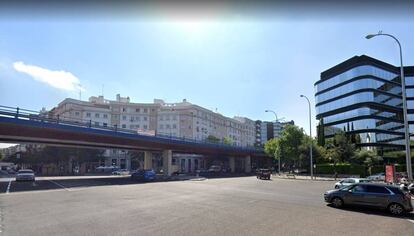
<point x="412" y="221"/>
<point x="59" y="185"/>
<point x="8" y="187"/>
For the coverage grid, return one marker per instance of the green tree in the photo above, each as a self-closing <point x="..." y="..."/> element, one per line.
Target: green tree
<point x="343" y="146"/>
<point x="227" y="140"/>
<point x="272" y="148"/>
<point x="318" y="152"/>
<point x="291" y="139"/>
<point x="368" y="158"/>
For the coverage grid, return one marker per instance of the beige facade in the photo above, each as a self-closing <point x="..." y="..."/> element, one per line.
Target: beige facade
<point x="181" y="119"/>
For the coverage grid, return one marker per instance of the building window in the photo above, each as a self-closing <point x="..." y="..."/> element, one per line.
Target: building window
<point x="96" y="115"/>
<point x="137" y="110"/>
<point x="123" y="109"/>
<point x="114" y="162"/>
<point x="105" y="116"/>
<point x="145" y="118"/>
<point x="124" y="126"/>
<point x="88" y="114"/>
<point x="124" y="117"/>
<point x="174" y="161"/>
<point x="138" y="118"/>
<point x="145" y="110"/>
<point x="161" y="117"/>
<point x="96" y="123"/>
<point x="105" y="124"/>
<point x="161" y="126"/>
<point x="77" y="113"/>
<point x="153" y="110"/>
<point x="174" y="126"/>
<point x="145" y="127"/>
<point x="167" y="126"/>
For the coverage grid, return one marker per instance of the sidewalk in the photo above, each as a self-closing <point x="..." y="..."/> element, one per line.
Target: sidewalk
<point x="303" y="177"/>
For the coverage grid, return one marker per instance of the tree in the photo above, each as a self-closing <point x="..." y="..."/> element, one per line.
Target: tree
<point x="291" y="139"/>
<point x="343" y="146"/>
<point x="368" y="158"/>
<point x="318" y="152"/>
<point x="272" y="148"/>
<point x="227" y="140"/>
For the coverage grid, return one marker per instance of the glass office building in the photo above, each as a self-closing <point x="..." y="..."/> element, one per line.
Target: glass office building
<point x="362" y="97"/>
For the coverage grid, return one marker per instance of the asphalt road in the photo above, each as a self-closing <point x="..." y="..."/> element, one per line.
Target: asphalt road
<point x="228" y="206"/>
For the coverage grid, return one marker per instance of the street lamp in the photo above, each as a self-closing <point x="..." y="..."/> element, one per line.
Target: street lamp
<point x="278" y="153"/>
<point x="310" y="134"/>
<point x="404" y="97"/>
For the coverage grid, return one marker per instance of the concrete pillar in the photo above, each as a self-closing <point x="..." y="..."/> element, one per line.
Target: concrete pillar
<point x="232" y="164"/>
<point x="247" y="165"/>
<point x="147" y="160"/>
<point x="167" y="162"/>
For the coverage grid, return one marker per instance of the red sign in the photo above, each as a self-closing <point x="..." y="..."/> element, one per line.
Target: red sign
<point x="389" y="173"/>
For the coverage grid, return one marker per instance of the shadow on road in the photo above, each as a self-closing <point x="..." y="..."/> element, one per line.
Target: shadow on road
<point x="371" y="211"/>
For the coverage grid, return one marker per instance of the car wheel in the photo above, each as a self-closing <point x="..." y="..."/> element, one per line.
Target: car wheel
<point x="395" y="209"/>
<point x="337" y="202"/>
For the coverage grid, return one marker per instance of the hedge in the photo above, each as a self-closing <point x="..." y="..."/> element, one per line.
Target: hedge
<point x="341" y="168"/>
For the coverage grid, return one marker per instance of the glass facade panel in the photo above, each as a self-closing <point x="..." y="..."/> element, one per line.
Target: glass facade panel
<point x="357" y="85"/>
<point x="355" y="72"/>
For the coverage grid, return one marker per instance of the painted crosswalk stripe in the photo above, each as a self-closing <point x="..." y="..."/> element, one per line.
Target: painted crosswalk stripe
<point x="8" y="187"/>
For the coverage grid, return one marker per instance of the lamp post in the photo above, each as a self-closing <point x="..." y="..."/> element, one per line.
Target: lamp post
<point x="310" y="134"/>
<point x="278" y="153"/>
<point x="404" y="98"/>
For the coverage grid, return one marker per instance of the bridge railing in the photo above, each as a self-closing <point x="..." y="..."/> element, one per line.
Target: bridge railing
<point x="46" y="117"/>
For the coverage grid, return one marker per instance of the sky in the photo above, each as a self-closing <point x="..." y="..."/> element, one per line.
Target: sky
<point x="239" y="64"/>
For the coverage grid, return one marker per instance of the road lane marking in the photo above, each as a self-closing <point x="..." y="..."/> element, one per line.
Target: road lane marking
<point x="8" y="187"/>
<point x="59" y="185"/>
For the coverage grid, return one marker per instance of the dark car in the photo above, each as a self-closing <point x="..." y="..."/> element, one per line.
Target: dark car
<point x="263" y="173"/>
<point x="145" y="175"/>
<point x="380" y="196"/>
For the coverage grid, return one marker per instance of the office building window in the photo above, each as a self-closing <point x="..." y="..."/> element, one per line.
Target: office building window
<point x="114" y="162"/>
<point x="124" y="117"/>
<point x="123" y="109"/>
<point x="145" y="118"/>
<point x="96" y="115"/>
<point x="124" y="126"/>
<point x="77" y="113"/>
<point x="137" y="110"/>
<point x="105" y="124"/>
<point x="145" y="127"/>
<point x="145" y="110"/>
<point x="105" y="116"/>
<point x="138" y="118"/>
<point x="88" y="114"/>
<point x="174" y="126"/>
<point x="153" y="110"/>
<point x="138" y="126"/>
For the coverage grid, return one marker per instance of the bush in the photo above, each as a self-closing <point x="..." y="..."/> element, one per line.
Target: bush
<point x="341" y="168"/>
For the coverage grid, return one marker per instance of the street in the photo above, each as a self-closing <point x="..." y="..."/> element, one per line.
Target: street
<point x="221" y="206"/>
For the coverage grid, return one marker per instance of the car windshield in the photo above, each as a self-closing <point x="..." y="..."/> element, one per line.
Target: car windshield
<point x="25" y="172"/>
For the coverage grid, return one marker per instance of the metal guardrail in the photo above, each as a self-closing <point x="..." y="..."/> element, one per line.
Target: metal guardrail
<point x="25" y="114"/>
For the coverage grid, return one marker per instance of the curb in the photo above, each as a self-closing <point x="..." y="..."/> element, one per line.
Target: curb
<point x="279" y="177"/>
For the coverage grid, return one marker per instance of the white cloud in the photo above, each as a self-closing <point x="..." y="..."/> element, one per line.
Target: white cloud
<point x="57" y="79"/>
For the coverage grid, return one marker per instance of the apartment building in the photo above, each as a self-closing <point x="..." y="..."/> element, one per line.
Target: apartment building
<point x="181" y="119"/>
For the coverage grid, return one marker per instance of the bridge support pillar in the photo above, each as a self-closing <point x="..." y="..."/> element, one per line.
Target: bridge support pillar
<point x="147" y="160"/>
<point x="232" y="164"/>
<point x="247" y="164"/>
<point x="167" y="162"/>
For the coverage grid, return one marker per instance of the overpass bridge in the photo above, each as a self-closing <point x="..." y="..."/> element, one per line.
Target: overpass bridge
<point x="21" y="125"/>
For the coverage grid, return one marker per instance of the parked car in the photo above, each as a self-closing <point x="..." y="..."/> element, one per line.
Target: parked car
<point x="121" y="172"/>
<point x="263" y="173"/>
<point x="25" y="175"/>
<point x="377" y="177"/>
<point x="381" y="196"/>
<point x="144" y="175"/>
<point x="349" y="181"/>
<point x="214" y="169"/>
